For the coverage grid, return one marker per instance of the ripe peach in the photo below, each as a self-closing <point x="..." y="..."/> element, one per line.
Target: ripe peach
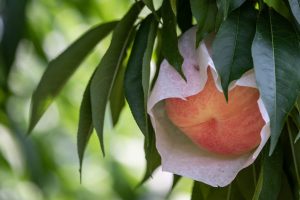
<point x="231" y="128"/>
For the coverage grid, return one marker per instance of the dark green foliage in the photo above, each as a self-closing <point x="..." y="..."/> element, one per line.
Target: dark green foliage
<point x="13" y="16"/>
<point x="269" y="182"/>
<point x="117" y="99"/>
<point x="85" y="124"/>
<point x="232" y="45"/>
<point x="137" y="69"/>
<point x="226" y="6"/>
<point x="205" y="12"/>
<point x="259" y="34"/>
<point x="61" y="69"/>
<point x="153" y="159"/>
<point x="184" y="15"/>
<point x="275" y="53"/>
<point x="295" y="7"/>
<point x="107" y="69"/>
<point x="169" y="47"/>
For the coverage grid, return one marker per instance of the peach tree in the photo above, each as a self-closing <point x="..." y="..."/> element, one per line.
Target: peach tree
<point x="222" y="106"/>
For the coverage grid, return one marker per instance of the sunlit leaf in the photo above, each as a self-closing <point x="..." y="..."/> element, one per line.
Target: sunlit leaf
<point x="169" y="46"/>
<point x="279" y="6"/>
<point x="117" y="98"/>
<point x="276" y="57"/>
<point x="295" y="7"/>
<point x="269" y="182"/>
<point x="232" y="45"/>
<point x="85" y="125"/>
<point x="61" y="69"/>
<point x="205" y="12"/>
<point x="107" y="69"/>
<point x="173" y="6"/>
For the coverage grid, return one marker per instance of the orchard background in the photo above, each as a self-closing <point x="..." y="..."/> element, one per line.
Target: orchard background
<point x="73" y="74"/>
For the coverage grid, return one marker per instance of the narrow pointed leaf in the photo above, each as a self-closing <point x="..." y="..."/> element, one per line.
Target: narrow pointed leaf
<point x="184" y="15"/>
<point x="196" y="191"/>
<point x="269" y="182"/>
<point x="205" y="12"/>
<point x="280" y="7"/>
<point x="292" y="130"/>
<point x="107" y="69"/>
<point x="61" y="69"/>
<point x="85" y="125"/>
<point x="153" y="159"/>
<point x="149" y="4"/>
<point x="137" y="74"/>
<point x="232" y="45"/>
<point x="295" y="7"/>
<point x="246" y="182"/>
<point x="226" y="6"/>
<point x="169" y="46"/>
<point x="117" y="98"/>
<point x="176" y="179"/>
<point x="276" y="57"/>
<point x="173" y="6"/>
<point x="147" y="60"/>
<point x="12" y="28"/>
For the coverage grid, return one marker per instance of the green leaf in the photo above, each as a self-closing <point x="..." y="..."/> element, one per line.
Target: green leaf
<point x="13" y="18"/>
<point x="117" y="99"/>
<point x="173" y="6"/>
<point x="295" y="7"/>
<point x="85" y="125"/>
<point x="107" y="69"/>
<point x="61" y="68"/>
<point x="147" y="60"/>
<point x="137" y="74"/>
<point x="235" y="35"/>
<point x="269" y="182"/>
<point x="294" y="149"/>
<point x="196" y="191"/>
<point x="226" y="6"/>
<point x="297" y="137"/>
<point x="153" y="159"/>
<point x="276" y="57"/>
<point x="149" y="4"/>
<point x="285" y="192"/>
<point x="176" y="179"/>
<point x="184" y="15"/>
<point x="169" y="38"/>
<point x="205" y="12"/>
<point x="246" y="182"/>
<point x="279" y="6"/>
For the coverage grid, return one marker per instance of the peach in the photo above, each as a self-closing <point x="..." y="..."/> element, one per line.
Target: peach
<point x="231" y="128"/>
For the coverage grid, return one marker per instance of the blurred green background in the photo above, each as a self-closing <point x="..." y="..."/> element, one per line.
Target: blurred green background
<point x="45" y="164"/>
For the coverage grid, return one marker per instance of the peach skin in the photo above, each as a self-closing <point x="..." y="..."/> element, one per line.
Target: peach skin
<point x="231" y="128"/>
